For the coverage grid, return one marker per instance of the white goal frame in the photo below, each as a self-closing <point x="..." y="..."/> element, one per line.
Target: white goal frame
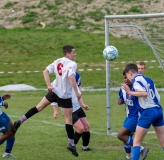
<point x="107" y="21"/>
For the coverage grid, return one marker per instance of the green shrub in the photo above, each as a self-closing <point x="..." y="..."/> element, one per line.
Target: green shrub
<point x="97" y="15"/>
<point x="50" y="7"/>
<point x="135" y="9"/>
<point x="59" y="2"/>
<point x="29" y="17"/>
<point x="9" y="4"/>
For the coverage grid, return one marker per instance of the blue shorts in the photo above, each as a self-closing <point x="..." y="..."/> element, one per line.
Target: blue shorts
<point x="4" y="122"/>
<point x="151" y="116"/>
<point x="130" y="123"/>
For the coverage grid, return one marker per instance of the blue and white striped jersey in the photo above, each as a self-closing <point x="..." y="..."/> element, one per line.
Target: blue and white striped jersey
<point x="1" y="104"/>
<point x="141" y="83"/>
<point x="78" y="79"/>
<point x="130" y="103"/>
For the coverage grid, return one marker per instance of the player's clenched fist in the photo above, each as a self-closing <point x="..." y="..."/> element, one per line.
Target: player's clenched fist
<point x="50" y="89"/>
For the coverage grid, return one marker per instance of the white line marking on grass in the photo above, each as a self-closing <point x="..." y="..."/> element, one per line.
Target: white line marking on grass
<point x="19" y="72"/>
<point x="115" y="133"/>
<point x="55" y="124"/>
<point x="96" y="133"/>
<point x="46" y="122"/>
<point x="153" y="144"/>
<point x="98" y="69"/>
<point x="151" y="132"/>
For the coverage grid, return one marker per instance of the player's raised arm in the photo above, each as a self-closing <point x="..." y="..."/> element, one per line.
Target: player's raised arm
<point x="136" y="93"/>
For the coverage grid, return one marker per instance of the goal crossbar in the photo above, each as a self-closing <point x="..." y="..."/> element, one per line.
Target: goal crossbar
<point x="107" y="17"/>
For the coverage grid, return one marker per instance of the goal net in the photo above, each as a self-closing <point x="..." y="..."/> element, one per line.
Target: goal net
<point x="137" y="38"/>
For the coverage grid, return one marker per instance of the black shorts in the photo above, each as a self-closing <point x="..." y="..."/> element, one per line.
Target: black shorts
<point x="64" y="103"/>
<point x="78" y="114"/>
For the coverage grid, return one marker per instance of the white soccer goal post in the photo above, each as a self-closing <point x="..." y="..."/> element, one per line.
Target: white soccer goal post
<point x="137" y="38"/>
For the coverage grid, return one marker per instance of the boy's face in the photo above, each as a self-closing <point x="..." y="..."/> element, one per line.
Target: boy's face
<point x="141" y="69"/>
<point x="129" y="75"/>
<point x="126" y="80"/>
<point x="71" y="55"/>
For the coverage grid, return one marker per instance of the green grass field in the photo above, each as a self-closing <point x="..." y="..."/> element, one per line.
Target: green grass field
<point x="44" y="138"/>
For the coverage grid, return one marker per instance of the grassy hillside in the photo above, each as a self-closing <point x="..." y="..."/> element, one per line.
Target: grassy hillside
<point x="86" y="15"/>
<point x="29" y="49"/>
<point x="26" y="46"/>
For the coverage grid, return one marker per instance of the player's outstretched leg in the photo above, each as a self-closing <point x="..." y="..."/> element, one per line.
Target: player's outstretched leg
<point x="72" y="149"/>
<point x="16" y="126"/>
<point x="144" y="153"/>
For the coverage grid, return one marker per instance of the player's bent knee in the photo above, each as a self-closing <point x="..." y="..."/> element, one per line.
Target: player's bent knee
<point x="9" y="133"/>
<point x="80" y="129"/>
<point x="119" y="136"/>
<point x="86" y="128"/>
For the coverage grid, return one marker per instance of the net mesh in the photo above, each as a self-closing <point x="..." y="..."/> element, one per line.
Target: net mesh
<point x="137" y="40"/>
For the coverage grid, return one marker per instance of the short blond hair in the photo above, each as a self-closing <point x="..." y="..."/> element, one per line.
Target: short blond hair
<point x="141" y="63"/>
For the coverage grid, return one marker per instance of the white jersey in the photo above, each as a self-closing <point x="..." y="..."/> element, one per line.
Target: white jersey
<point x="62" y="68"/>
<point x="75" y="101"/>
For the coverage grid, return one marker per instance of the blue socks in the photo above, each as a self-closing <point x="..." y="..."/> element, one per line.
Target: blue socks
<point x="127" y="148"/>
<point x="136" y="153"/>
<point x="130" y="141"/>
<point x="128" y="145"/>
<point x="9" y="144"/>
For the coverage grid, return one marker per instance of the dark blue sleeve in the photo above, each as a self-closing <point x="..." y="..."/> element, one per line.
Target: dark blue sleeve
<point x="121" y="95"/>
<point x="1" y="101"/>
<point x="78" y="79"/>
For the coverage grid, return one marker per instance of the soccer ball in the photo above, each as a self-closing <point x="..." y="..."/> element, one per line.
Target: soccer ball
<point x="110" y="53"/>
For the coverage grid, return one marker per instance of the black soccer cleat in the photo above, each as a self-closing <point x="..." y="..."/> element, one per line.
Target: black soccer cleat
<point x="144" y="153"/>
<point x="16" y="126"/>
<point x="72" y="149"/>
